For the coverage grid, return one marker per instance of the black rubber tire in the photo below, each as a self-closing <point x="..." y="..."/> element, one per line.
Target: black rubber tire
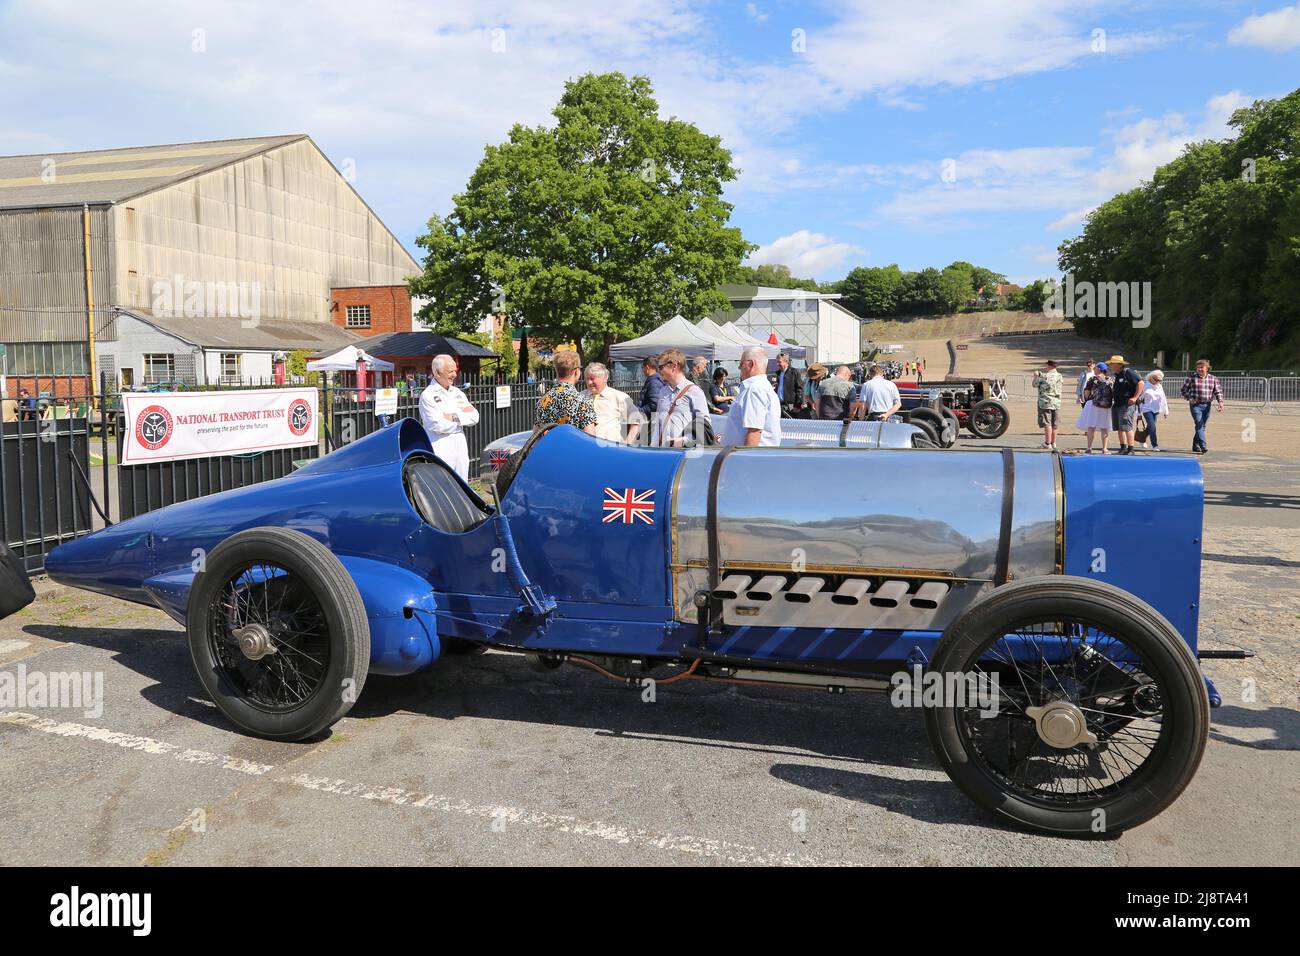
<point x="938" y="425"/>
<point x="951" y="417"/>
<point x="340" y="604"/>
<point x="996" y="431"/>
<point x="931" y="434"/>
<point x="1185" y="702"/>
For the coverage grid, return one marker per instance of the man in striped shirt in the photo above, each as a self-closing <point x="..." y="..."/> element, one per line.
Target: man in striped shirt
<point x="1199" y="390"/>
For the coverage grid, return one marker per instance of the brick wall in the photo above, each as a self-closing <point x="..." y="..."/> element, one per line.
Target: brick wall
<point x="390" y="308"/>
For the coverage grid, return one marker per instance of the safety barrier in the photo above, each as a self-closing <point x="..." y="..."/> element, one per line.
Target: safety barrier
<point x="1274" y="396"/>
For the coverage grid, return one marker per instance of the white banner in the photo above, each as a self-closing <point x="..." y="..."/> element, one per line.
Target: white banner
<point x="168" y="426"/>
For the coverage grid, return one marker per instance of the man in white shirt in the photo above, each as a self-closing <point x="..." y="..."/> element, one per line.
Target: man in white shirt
<point x="617" y="417"/>
<point x="878" y="396"/>
<point x="444" y="413"/>
<point x="755" y="416"/>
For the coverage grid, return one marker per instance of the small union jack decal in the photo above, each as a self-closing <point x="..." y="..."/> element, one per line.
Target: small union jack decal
<point x="629" y="506"/>
<point x="498" y="459"/>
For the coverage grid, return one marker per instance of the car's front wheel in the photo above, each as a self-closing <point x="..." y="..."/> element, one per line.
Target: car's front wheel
<point x="278" y="633"/>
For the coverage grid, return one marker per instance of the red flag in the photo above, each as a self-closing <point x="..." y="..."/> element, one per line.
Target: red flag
<point x="772" y="339"/>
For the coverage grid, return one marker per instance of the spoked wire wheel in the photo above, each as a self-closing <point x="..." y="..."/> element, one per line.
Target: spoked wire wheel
<point x="268" y="633"/>
<point x="1099" y="718"/>
<point x="1079" y="714"/>
<point x="278" y="633"/>
<point x="989" y="419"/>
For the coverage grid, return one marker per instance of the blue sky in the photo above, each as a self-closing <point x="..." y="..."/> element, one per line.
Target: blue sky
<point x="868" y="132"/>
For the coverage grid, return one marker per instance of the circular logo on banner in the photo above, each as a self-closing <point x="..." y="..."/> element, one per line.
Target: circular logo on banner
<point x="153" y="427"/>
<point x="299" y="416"/>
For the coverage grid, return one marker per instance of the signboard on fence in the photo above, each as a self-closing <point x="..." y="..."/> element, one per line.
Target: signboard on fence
<point x="170" y="426"/>
<point x="385" y="401"/>
<point x="503" y="396"/>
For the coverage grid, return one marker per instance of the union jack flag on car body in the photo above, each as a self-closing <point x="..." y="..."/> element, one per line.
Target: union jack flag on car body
<point x="629" y="506"/>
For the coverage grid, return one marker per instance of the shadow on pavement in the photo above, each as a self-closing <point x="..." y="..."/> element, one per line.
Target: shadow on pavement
<point x="1284" y="722"/>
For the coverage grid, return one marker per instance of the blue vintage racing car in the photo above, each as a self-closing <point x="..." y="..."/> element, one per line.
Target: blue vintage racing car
<point x="845" y="569"/>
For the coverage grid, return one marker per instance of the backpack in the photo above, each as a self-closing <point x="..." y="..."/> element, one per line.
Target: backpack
<point x="1103" y="394"/>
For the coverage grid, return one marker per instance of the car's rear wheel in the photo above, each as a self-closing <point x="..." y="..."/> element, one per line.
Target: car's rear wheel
<point x="989" y="419"/>
<point x="1099" y="716"/>
<point x="278" y="633"/>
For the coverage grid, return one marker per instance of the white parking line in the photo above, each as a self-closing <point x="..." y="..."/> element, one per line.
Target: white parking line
<point x="723" y="851"/>
<point x="133" y="742"/>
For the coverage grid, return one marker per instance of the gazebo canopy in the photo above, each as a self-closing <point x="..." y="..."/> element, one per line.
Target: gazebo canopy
<point x="345" y="360"/>
<point x="729" y="331"/>
<point x="677" y="333"/>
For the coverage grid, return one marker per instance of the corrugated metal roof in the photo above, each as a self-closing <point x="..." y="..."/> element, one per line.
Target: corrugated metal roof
<point x="113" y="175"/>
<point x="268" y="334"/>
<point x="424" y="344"/>
<point x="743" y="292"/>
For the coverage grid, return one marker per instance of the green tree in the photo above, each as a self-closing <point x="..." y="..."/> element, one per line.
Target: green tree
<point x="955" y="287"/>
<point x="772" y="276"/>
<point x="871" y="290"/>
<point x="1216" y="232"/>
<point x="594" y="229"/>
<point x="919" y="292"/>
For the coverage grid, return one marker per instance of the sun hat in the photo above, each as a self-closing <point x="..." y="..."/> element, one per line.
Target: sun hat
<point x="816" y="370"/>
<point x="1116" y="360"/>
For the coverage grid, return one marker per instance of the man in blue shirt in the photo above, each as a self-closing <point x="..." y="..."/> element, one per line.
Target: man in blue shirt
<point x="653" y="389"/>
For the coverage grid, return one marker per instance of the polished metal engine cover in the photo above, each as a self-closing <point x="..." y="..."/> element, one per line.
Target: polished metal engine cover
<point x="841" y="537"/>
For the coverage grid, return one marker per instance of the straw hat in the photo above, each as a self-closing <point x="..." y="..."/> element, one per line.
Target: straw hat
<point x="816" y="371"/>
<point x="1116" y="360"/>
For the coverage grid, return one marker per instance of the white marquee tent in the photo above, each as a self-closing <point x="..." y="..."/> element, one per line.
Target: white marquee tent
<point x="677" y="333"/>
<point x="728" y="330"/>
<point x="345" y="360"/>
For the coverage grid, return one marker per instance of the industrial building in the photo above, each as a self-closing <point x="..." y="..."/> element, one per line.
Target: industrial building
<point x="815" y="320"/>
<point x="190" y="262"/>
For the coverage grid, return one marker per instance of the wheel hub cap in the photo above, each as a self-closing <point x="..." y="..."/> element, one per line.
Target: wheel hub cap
<point x="254" y="641"/>
<point x="1061" y="724"/>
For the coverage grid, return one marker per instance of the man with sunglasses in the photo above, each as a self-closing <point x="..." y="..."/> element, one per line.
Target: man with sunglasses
<point x="680" y="406"/>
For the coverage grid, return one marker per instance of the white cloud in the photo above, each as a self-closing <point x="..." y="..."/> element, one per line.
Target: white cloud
<point x="1277" y="31"/>
<point x="1067" y="181"/>
<point x="414" y="104"/>
<point x="806" y="253"/>
<point x="751" y="9"/>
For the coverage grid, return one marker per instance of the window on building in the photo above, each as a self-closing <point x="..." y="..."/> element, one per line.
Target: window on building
<point x="159" y="367"/>
<point x="45" y="358"/>
<point x="358" y="316"/>
<point x="230" y="367"/>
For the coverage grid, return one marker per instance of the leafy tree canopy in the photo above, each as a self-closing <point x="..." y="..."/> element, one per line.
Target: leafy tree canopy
<point x="1217" y="234"/>
<point x="596" y="228"/>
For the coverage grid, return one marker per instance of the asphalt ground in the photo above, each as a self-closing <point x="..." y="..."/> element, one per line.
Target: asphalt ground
<point x="484" y="761"/>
